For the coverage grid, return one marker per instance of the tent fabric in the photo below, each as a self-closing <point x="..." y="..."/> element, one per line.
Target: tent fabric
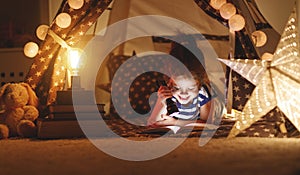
<point x="186" y="11"/>
<point x="244" y="48"/>
<point x="47" y="73"/>
<point x="209" y="22"/>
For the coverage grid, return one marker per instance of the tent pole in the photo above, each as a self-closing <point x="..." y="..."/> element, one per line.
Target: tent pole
<point x="231" y="56"/>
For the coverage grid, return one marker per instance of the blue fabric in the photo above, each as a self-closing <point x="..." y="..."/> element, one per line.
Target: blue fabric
<point x="191" y="111"/>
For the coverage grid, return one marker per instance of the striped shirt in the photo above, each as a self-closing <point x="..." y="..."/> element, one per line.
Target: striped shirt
<point x="191" y="111"/>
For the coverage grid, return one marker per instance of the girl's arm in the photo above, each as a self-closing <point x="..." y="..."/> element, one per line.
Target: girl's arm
<point x="205" y="110"/>
<point x="157" y="113"/>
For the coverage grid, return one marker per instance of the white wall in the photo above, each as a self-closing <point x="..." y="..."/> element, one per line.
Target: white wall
<point x="53" y="8"/>
<point x="276" y="12"/>
<point x="14" y="65"/>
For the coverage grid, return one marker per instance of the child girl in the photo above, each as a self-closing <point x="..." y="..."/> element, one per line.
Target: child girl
<point x="192" y="99"/>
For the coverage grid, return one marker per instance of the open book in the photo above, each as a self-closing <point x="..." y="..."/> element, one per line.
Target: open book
<point x="176" y="129"/>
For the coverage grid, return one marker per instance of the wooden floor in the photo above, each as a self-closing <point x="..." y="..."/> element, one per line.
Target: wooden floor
<point x="240" y="156"/>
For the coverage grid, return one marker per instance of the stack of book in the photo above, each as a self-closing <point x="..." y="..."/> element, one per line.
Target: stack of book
<point x="67" y="112"/>
<point x="62" y="120"/>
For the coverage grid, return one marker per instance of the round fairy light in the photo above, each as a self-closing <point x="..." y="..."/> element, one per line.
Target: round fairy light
<point x="267" y="56"/>
<point x="76" y="4"/>
<point x="259" y="38"/>
<point x="31" y="49"/>
<point x="216" y="4"/>
<point x="63" y="20"/>
<point x="41" y="31"/>
<point x="236" y="22"/>
<point x="227" y="10"/>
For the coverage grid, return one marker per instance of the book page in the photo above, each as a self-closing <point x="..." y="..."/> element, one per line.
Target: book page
<point x="174" y="128"/>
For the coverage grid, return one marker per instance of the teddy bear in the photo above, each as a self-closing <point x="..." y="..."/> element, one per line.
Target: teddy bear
<point x="19" y="110"/>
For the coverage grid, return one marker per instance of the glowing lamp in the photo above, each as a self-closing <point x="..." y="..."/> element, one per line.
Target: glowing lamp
<point x="41" y="31"/>
<point x="63" y="20"/>
<point x="216" y="4"/>
<point x="31" y="49"/>
<point x="227" y="10"/>
<point x="236" y="22"/>
<point x="75" y="59"/>
<point x="75" y="4"/>
<point x="75" y="63"/>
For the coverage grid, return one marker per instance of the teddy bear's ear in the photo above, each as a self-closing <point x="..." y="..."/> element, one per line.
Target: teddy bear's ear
<point x="33" y="100"/>
<point x="2" y="89"/>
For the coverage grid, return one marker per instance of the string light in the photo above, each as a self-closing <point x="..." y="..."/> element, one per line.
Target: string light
<point x="259" y="38"/>
<point x="236" y="22"/>
<point x="42" y="31"/>
<point x="267" y="56"/>
<point x="76" y="4"/>
<point x="31" y="49"/>
<point x="63" y="20"/>
<point x="217" y="4"/>
<point x="227" y="10"/>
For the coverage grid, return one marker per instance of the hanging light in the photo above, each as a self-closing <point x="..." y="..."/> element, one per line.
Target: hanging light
<point x="31" y="49"/>
<point x="76" y="4"/>
<point x="42" y="31"/>
<point x="259" y="38"/>
<point x="236" y="22"/>
<point x="216" y="4"/>
<point x="227" y="10"/>
<point x="63" y="20"/>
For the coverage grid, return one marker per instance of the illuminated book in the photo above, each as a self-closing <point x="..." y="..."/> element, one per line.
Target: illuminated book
<point x="179" y="129"/>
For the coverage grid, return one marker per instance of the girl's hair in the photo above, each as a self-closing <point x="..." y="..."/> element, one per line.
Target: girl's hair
<point x="189" y="60"/>
<point x="199" y="78"/>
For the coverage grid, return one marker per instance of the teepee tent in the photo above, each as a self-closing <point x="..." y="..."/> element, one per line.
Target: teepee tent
<point x="153" y="25"/>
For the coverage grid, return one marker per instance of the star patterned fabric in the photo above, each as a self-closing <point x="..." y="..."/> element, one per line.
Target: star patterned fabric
<point x="47" y="74"/>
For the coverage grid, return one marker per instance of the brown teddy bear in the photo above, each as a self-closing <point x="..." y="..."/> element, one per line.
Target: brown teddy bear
<point x="19" y="110"/>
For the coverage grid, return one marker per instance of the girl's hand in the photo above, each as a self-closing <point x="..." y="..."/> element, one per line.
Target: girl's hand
<point x="166" y="120"/>
<point x="164" y="93"/>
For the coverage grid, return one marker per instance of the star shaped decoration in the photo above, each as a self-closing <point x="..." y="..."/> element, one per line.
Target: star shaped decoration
<point x="277" y="81"/>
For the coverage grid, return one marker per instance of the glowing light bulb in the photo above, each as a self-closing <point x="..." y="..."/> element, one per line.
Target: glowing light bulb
<point x="216" y="4"/>
<point x="259" y="38"/>
<point x="227" y="10"/>
<point x="267" y="56"/>
<point x="76" y="4"/>
<point x="236" y="22"/>
<point x="31" y="49"/>
<point x="41" y="31"/>
<point x="74" y="61"/>
<point x="75" y="64"/>
<point x="63" y="20"/>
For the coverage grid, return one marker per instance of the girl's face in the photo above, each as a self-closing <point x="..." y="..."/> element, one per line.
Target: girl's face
<point x="185" y="90"/>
